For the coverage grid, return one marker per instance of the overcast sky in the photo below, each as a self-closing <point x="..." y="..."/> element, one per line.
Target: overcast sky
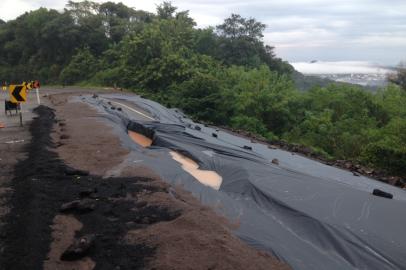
<point x="301" y="30"/>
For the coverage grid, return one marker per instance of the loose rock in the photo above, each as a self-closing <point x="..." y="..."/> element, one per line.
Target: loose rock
<point x="380" y="193"/>
<point x="82" y="206"/>
<point x="79" y="248"/>
<point x="275" y="161"/>
<point x="247" y="147"/>
<point x="88" y="193"/>
<point x="64" y="137"/>
<point x="70" y="171"/>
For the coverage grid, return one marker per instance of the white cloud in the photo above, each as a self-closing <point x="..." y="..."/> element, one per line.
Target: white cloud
<point x="10" y="9"/>
<point x="302" y="38"/>
<point x="341" y="67"/>
<point x="387" y="40"/>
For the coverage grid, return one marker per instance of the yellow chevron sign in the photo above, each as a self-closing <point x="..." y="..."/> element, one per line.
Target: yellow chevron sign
<point x="32" y="85"/>
<point x="18" y="93"/>
<point x="29" y="85"/>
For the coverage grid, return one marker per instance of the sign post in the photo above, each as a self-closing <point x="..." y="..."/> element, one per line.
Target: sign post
<point x="36" y="85"/>
<point x="38" y="100"/>
<point x="21" y="114"/>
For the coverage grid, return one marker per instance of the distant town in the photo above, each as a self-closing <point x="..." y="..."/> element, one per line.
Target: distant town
<point x="355" y="72"/>
<point x="374" y="79"/>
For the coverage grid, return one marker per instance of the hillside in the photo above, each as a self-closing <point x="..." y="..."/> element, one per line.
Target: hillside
<point x="224" y="75"/>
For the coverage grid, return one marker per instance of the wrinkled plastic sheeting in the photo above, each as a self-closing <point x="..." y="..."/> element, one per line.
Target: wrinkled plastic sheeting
<point x="319" y="219"/>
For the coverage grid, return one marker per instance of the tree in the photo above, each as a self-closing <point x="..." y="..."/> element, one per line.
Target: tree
<point x="161" y="54"/>
<point x="240" y="43"/>
<point x="201" y="97"/>
<point x="399" y="77"/>
<point x="82" y="67"/>
<point x="166" y="10"/>
<point x="82" y="10"/>
<point x="120" y="20"/>
<point x="239" y="27"/>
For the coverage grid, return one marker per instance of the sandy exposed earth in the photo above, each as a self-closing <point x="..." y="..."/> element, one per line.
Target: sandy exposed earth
<point x="68" y="185"/>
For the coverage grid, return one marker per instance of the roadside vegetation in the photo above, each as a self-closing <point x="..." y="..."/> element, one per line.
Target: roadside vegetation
<point x="225" y="75"/>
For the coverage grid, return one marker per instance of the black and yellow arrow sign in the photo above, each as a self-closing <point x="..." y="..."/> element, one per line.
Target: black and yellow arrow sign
<point x="18" y="93"/>
<point x="29" y="85"/>
<point x="32" y="85"/>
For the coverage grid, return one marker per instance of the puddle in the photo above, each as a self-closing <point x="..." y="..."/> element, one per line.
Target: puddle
<point x="140" y="139"/>
<point x="208" y="178"/>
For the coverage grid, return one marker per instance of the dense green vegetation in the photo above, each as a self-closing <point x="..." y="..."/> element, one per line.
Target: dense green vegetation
<point x="225" y="75"/>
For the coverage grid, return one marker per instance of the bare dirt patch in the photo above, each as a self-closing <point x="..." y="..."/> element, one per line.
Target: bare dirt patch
<point x="82" y="139"/>
<point x="207" y="178"/>
<point x="198" y="239"/>
<point x="140" y="139"/>
<point x="63" y="233"/>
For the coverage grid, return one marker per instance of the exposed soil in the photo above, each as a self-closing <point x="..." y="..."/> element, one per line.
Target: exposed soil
<point x="208" y="178"/>
<point x="82" y="139"/>
<point x="198" y="239"/>
<point x="64" y="229"/>
<point x="140" y="139"/>
<point x="66" y="214"/>
<point x="43" y="183"/>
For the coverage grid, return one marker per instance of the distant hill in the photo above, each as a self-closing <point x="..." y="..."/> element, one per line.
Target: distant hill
<point x="306" y="82"/>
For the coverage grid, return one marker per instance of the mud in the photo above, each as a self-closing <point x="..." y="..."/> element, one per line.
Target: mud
<point x="140" y="139"/>
<point x="208" y="178"/>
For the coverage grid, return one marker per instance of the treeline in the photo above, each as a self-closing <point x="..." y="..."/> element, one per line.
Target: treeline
<point x="98" y="42"/>
<point x="224" y="74"/>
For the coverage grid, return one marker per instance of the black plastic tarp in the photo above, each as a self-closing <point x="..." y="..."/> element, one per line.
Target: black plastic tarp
<point x="308" y="214"/>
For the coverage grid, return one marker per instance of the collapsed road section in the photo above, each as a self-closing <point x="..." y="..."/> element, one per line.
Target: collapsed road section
<point x="308" y="214"/>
